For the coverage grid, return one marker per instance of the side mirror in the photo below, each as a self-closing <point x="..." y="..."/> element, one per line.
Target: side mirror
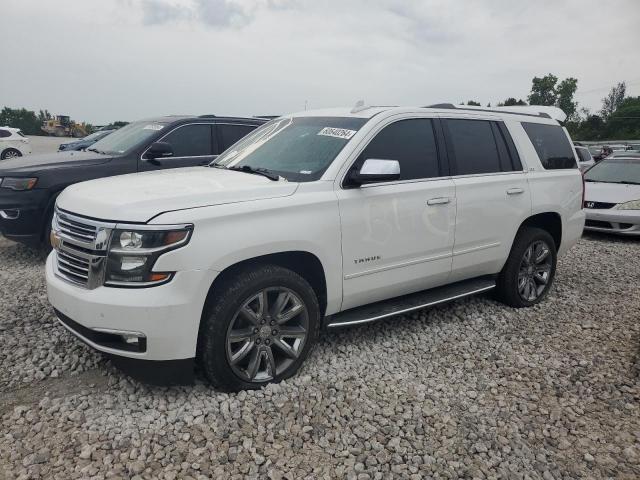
<point x="159" y="150"/>
<point x="375" y="170"/>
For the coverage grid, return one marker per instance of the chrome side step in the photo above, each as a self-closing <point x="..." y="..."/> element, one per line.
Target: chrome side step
<point x="408" y="303"/>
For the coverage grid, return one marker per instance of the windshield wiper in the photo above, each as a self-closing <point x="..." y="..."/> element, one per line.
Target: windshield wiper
<point x="96" y="150"/>
<point x="256" y="171"/>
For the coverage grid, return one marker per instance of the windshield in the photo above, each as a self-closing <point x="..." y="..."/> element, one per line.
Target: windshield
<point x="615" y="171"/>
<point x="95" y="135"/>
<point x="127" y="137"/>
<point x="299" y="149"/>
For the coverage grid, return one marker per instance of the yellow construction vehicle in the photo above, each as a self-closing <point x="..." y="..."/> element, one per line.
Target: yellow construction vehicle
<point x="63" y="126"/>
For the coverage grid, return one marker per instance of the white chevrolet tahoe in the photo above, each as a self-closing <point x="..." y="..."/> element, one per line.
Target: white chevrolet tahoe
<point x="315" y="220"/>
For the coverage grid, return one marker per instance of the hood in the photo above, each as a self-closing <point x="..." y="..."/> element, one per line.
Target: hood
<point x="611" y="192"/>
<point x="48" y="161"/>
<point x="139" y="197"/>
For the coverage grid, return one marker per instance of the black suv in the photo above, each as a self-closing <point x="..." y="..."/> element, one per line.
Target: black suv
<point x="29" y="185"/>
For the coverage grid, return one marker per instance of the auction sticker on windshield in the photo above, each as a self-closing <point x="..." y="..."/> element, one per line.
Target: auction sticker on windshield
<point x="153" y="127"/>
<point x="337" y="132"/>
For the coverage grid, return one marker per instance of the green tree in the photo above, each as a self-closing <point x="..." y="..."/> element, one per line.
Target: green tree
<point x="473" y="103"/>
<point x="543" y="90"/>
<point x="613" y="100"/>
<point x="25" y="120"/>
<point x="565" y="91"/>
<point x="509" y="102"/>
<point x="624" y="122"/>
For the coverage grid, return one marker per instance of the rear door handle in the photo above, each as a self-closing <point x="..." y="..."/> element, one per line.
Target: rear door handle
<point x="438" y="201"/>
<point x="515" y="191"/>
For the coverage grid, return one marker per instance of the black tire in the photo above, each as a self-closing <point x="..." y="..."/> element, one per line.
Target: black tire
<point x="10" y="153"/>
<point x="511" y="277"/>
<point x="225" y="307"/>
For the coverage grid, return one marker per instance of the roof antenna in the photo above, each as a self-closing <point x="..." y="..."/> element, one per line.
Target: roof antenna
<point x="359" y="106"/>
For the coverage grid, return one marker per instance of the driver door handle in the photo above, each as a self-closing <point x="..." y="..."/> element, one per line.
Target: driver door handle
<point x="438" y="201"/>
<point x="515" y="191"/>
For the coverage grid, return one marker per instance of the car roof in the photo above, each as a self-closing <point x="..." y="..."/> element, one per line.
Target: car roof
<point x="530" y="113"/>
<point x="203" y="118"/>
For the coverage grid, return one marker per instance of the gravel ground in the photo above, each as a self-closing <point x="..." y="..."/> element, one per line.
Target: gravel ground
<point x="469" y="390"/>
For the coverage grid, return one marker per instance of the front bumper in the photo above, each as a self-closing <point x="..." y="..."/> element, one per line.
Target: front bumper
<point x="22" y="215"/>
<point x="167" y="317"/>
<point x="619" y="222"/>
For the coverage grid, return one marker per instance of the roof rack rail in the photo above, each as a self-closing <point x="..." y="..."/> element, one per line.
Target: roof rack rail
<point x="208" y="115"/>
<point x="540" y="111"/>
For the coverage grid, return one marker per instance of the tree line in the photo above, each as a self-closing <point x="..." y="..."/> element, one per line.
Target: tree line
<point x="30" y="122"/>
<point x="618" y="118"/>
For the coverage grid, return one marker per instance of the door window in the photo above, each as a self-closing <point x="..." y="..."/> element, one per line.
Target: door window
<point x="473" y="147"/>
<point x="230" y="134"/>
<point x="412" y="143"/>
<point x="4" y="133"/>
<point x="190" y="141"/>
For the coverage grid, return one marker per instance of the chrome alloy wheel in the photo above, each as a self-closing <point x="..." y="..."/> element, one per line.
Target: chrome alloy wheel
<point x="535" y="271"/>
<point x="267" y="334"/>
<point x="11" y="154"/>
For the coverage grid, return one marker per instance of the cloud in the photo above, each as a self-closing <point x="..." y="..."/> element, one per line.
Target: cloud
<point x="213" y="13"/>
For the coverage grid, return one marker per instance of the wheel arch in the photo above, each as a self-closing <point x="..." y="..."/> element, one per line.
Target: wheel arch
<point x="304" y="263"/>
<point x="551" y="222"/>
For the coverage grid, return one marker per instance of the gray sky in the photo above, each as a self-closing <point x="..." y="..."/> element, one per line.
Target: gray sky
<point x="105" y="60"/>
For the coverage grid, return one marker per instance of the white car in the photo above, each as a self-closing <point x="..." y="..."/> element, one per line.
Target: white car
<point x="13" y="143"/>
<point x="320" y="219"/>
<point x="612" y="197"/>
<point x="585" y="160"/>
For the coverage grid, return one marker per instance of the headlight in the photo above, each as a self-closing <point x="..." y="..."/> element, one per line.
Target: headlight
<point x="18" y="183"/>
<point x="133" y="253"/>
<point x="632" y="205"/>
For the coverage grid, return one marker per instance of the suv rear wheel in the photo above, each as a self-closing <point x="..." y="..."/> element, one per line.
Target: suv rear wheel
<point x="258" y="329"/>
<point x="10" y="153"/>
<point x="530" y="269"/>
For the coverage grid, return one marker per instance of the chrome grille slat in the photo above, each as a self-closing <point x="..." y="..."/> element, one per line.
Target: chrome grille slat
<point x="81" y="262"/>
<point x="75" y="229"/>
<point x="64" y="269"/>
<point x="72" y="267"/>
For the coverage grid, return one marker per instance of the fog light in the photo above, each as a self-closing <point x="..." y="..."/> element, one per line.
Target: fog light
<point x="131" y="263"/>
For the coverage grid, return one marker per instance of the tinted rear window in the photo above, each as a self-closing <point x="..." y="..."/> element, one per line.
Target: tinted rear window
<point x="583" y="154"/>
<point x="5" y="133"/>
<point x="473" y="146"/>
<point x="551" y="144"/>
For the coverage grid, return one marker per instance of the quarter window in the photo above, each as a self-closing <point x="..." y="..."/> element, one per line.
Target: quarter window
<point x="551" y="144"/>
<point x="412" y="143"/>
<point x="190" y="141"/>
<point x="472" y="145"/>
<point x="230" y="134"/>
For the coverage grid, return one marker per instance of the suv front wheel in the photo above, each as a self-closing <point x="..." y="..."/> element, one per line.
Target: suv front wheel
<point x="530" y="269"/>
<point x="258" y="329"/>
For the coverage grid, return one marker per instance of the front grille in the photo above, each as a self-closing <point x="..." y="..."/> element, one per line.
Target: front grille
<point x="73" y="267"/>
<point x="81" y="248"/>
<point x="76" y="229"/>
<point x="598" y="205"/>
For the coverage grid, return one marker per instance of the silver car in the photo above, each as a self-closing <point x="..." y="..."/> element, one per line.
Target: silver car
<point x="612" y="196"/>
<point x="586" y="161"/>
